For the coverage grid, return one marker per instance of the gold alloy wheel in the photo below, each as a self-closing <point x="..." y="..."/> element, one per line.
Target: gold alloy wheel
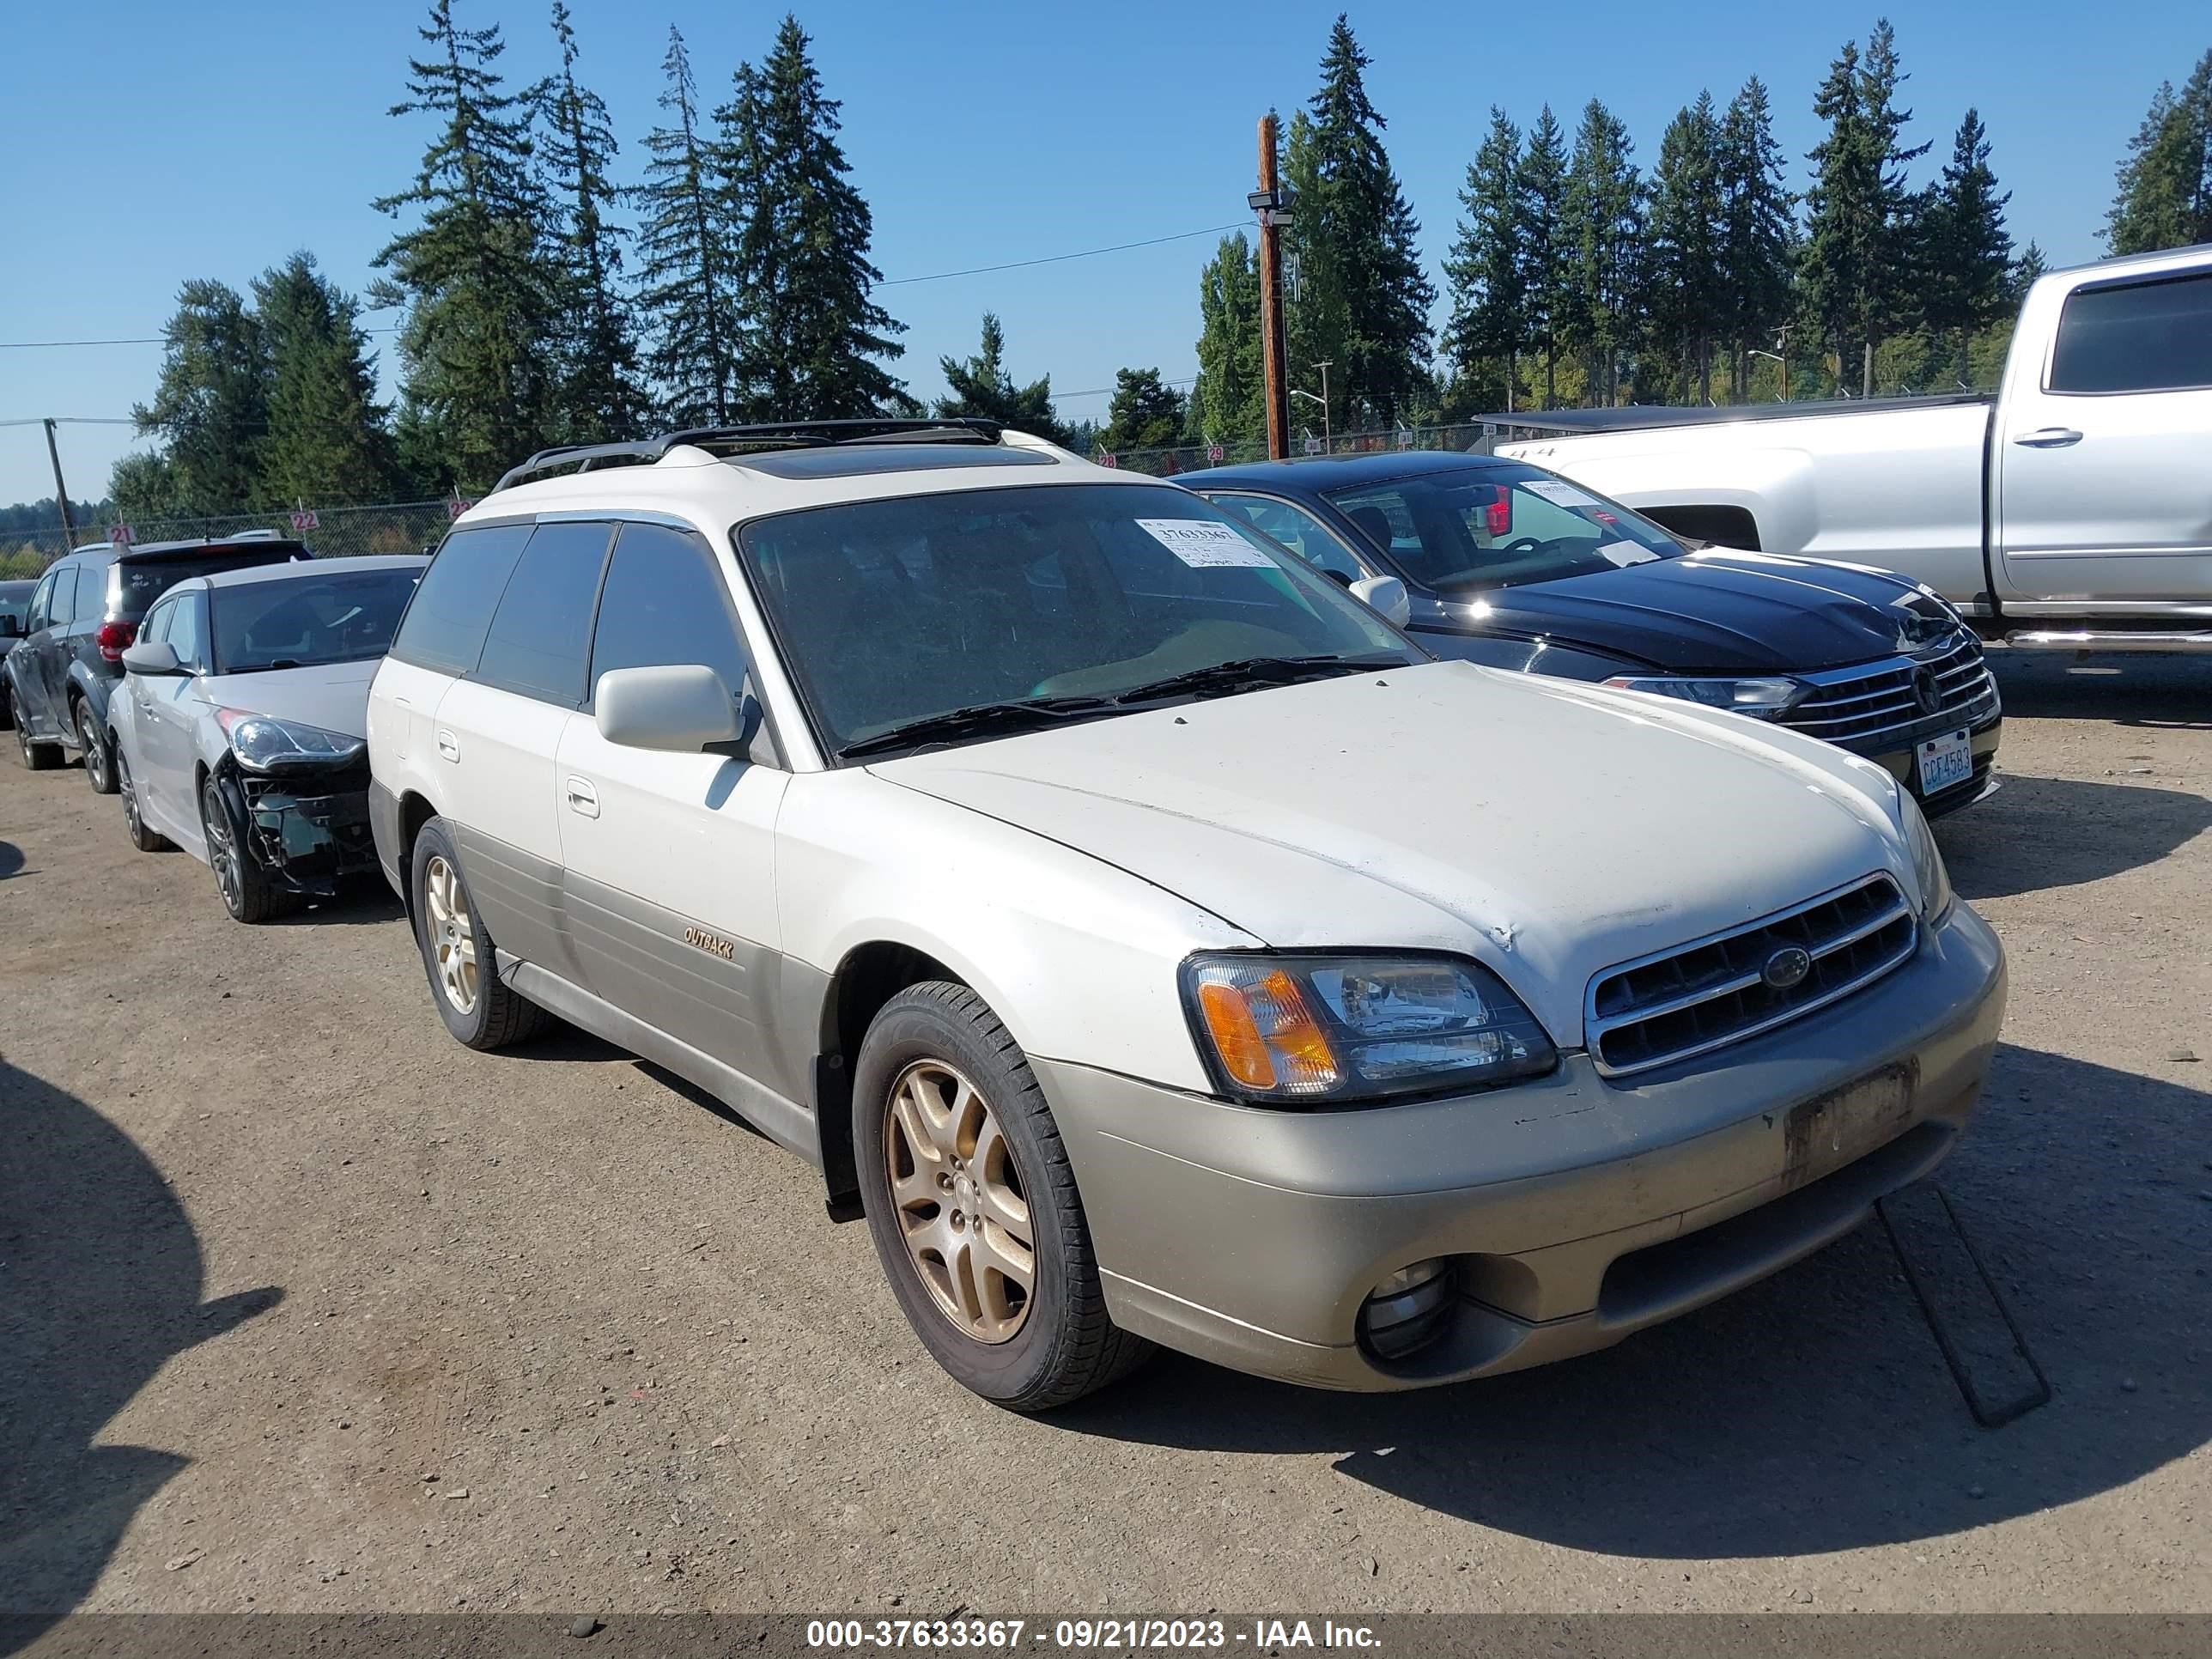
<point x="957" y="1199"/>
<point x="452" y="934"/>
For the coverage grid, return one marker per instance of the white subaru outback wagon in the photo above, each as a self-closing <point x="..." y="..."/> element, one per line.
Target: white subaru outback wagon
<point x="1153" y="943"/>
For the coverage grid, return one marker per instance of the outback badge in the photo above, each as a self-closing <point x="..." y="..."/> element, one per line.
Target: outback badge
<point x="713" y="944"/>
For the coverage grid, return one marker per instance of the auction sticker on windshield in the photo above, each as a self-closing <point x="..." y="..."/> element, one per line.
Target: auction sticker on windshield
<point x="1202" y="544"/>
<point x="1558" y="492"/>
<point x="1625" y="553"/>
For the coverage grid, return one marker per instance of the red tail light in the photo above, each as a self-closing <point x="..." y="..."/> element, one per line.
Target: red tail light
<point x="114" y="639"/>
<point x="1500" y="513"/>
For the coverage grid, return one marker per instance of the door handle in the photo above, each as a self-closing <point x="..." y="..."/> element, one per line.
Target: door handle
<point x="449" y="746"/>
<point x="583" y="798"/>
<point x="2048" y="437"/>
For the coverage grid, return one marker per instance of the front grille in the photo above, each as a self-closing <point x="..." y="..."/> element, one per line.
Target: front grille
<point x="1702" y="996"/>
<point x="1875" y="704"/>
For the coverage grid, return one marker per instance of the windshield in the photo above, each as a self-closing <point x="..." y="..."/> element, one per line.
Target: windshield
<point x="890" y="612"/>
<point x="1498" y="527"/>
<point x="333" y="615"/>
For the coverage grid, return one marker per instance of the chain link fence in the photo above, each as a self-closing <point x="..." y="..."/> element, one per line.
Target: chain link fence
<point x="333" y="532"/>
<point x="337" y="532"/>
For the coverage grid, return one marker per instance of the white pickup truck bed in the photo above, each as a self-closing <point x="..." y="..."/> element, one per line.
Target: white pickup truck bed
<point x="2076" y="505"/>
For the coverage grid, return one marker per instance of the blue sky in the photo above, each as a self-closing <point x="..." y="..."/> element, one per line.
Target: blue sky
<point x="150" y="142"/>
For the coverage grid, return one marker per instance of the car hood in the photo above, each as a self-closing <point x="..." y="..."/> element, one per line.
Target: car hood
<point x="1549" y="829"/>
<point x="1722" y="611"/>
<point x="333" y="696"/>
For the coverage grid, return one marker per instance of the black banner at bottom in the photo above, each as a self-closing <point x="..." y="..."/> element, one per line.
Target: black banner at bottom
<point x="1281" y="1636"/>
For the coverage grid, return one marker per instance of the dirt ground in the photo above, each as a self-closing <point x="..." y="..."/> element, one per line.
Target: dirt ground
<point x="302" y="1306"/>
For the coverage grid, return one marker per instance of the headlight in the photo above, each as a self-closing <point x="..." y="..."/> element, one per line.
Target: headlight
<point x="1928" y="871"/>
<point x="1764" y="698"/>
<point x="1326" y="1031"/>
<point x="262" y="742"/>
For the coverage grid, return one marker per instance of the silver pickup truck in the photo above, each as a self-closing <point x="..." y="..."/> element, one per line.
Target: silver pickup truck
<point x="2074" y="511"/>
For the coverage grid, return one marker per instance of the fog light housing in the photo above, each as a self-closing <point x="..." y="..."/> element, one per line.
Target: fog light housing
<point x="1406" y="1310"/>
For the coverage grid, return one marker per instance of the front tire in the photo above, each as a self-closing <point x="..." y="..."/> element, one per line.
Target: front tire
<point x="479" y="1008"/>
<point x="973" y="1206"/>
<point x="37" y="756"/>
<point x="145" y="839"/>
<point x="247" y="892"/>
<point x="99" y="753"/>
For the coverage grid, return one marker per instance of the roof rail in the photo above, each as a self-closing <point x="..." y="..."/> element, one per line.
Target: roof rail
<point x="765" y="435"/>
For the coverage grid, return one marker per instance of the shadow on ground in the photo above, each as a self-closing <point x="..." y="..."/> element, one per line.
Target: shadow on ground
<point x="361" y="901"/>
<point x="2153" y="692"/>
<point x="2037" y="833"/>
<point x="100" y="1288"/>
<point x="11" y="859"/>
<point x="1813" y="1412"/>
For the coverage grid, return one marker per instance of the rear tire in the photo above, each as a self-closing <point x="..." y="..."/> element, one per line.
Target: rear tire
<point x="479" y="1008"/>
<point x="247" y="891"/>
<point x="99" y="753"/>
<point x="145" y="839"/>
<point x="944" y="1103"/>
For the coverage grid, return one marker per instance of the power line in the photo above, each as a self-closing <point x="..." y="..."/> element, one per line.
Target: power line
<point x="889" y="282"/>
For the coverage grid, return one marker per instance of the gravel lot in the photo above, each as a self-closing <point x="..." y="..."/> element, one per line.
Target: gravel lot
<point x="302" y="1306"/>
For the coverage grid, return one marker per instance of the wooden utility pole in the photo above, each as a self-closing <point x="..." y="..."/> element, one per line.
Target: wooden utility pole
<point x="61" y="489"/>
<point x="1269" y="202"/>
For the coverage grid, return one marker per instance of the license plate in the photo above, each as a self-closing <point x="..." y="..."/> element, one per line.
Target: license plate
<point x="1946" y="762"/>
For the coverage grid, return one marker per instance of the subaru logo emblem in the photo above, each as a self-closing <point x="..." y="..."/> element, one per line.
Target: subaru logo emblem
<point x="1787" y="968"/>
<point x="1925" y="691"/>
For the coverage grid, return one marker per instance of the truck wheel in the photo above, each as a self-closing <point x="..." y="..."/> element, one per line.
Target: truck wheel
<point x="99" y="753"/>
<point x="145" y="839"/>
<point x="973" y="1207"/>
<point x="478" y="1007"/>
<point x="247" y="892"/>
<point x="37" y="756"/>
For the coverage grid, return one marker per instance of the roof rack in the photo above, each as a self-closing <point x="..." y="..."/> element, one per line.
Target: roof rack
<point x="763" y="435"/>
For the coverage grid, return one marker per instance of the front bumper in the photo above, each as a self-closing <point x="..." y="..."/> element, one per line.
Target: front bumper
<point x="1576" y="1211"/>
<point x="1900" y="763"/>
<point x="309" y="833"/>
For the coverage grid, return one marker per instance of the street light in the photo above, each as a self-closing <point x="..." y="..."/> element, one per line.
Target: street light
<point x="1326" y="443"/>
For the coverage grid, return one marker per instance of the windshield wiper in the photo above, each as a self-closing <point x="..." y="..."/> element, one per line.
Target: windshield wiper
<point x="1246" y="673"/>
<point x="978" y="720"/>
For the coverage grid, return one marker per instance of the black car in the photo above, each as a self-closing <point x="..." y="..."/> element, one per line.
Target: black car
<point x="1510" y="566"/>
<point x="83" y="614"/>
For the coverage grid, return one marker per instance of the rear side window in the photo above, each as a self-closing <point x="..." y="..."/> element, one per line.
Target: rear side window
<point x="664" y="603"/>
<point x="541" y="634"/>
<point x="61" y="605"/>
<point x="445" y="627"/>
<point x="2150" y="337"/>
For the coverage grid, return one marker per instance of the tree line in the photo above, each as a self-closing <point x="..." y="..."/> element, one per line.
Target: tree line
<point x="543" y="300"/>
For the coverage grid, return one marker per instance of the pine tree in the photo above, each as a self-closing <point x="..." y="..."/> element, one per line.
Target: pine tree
<point x="1145" y="414"/>
<point x="210" y="407"/>
<point x="1689" y="301"/>
<point x="2164" y="189"/>
<point x="1486" y="269"/>
<point x="327" y="444"/>
<point x="981" y="386"/>
<point x="811" y="337"/>
<point x="1364" y="300"/>
<point x="1602" y="216"/>
<point x="687" y="260"/>
<point x="1759" y="236"/>
<point x="1966" y="251"/>
<point x="1899" y="271"/>
<point x="2025" y="269"/>
<point x="1229" y="403"/>
<point x="600" y="397"/>
<point x="1541" y="189"/>
<point x="1845" y="214"/>
<point x="476" y="348"/>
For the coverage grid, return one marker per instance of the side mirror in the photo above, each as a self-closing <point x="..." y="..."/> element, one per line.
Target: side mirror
<point x="154" y="657"/>
<point x="680" y="708"/>
<point x="1386" y="594"/>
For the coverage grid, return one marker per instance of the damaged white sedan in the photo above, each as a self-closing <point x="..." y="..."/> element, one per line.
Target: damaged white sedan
<point x="240" y="729"/>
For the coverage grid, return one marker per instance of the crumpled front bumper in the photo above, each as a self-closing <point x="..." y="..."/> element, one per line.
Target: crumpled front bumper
<point x="309" y="832"/>
<point x="1575" y="1210"/>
